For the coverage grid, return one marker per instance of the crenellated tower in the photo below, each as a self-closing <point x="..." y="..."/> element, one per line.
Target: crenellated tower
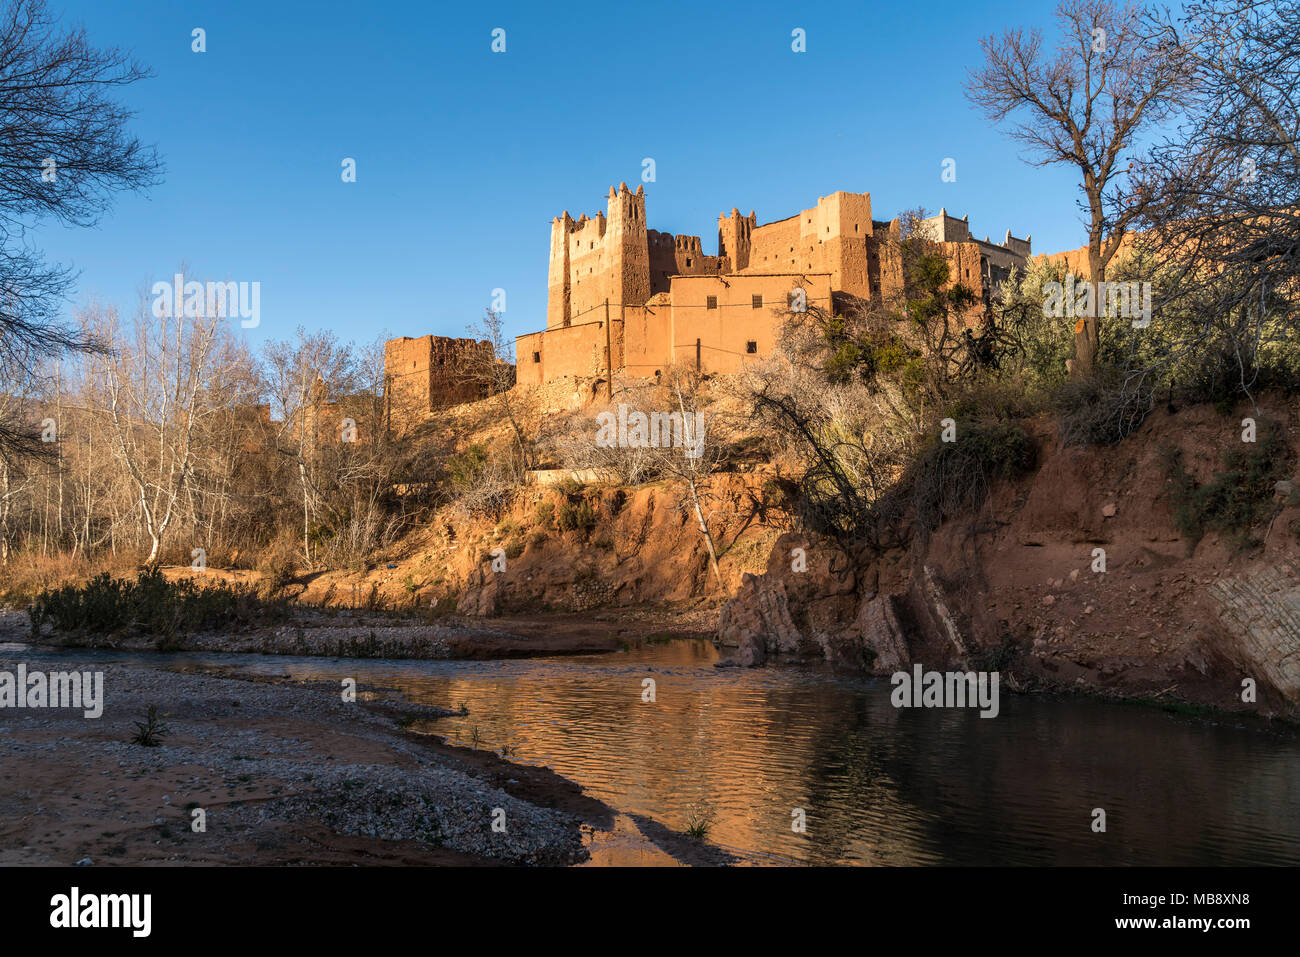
<point x="591" y="260"/>
<point x="734" y="237"/>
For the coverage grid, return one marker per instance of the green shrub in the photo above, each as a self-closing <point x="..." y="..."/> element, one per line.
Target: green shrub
<point x="1237" y="499"/>
<point x="150" y="732"/>
<point x="151" y="605"/>
<point x="465" y="467"/>
<point x="951" y="477"/>
<point x="544" y="514"/>
<point x="570" y="517"/>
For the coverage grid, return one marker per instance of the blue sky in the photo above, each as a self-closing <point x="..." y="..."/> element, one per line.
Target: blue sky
<point x="464" y="155"/>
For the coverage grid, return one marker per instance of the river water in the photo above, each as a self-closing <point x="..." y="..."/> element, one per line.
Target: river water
<point x="876" y="784"/>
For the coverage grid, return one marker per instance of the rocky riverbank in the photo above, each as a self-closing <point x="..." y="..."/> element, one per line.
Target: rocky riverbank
<point x="358" y="633"/>
<point x="1091" y="573"/>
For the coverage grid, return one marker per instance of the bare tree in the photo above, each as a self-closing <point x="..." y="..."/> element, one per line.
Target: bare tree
<point x="491" y="368"/>
<point x="1221" y="192"/>
<point x="153" y="384"/>
<point x="693" y="454"/>
<point x="64" y="152"/>
<point x="301" y="377"/>
<point x="1110" y="79"/>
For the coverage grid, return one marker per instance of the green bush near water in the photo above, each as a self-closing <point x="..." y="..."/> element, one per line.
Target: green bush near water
<point x="152" y="605"/>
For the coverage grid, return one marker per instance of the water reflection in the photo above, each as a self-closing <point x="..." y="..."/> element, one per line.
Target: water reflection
<point x="878" y="785"/>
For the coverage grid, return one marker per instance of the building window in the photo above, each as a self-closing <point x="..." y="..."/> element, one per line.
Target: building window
<point x="537" y="357"/>
<point x="751" y="347"/>
<point x="688" y="262"/>
<point x="758" y="301"/>
<point x="710" y="302"/>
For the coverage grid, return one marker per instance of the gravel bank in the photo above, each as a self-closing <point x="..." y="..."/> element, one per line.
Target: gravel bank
<point x="285" y="774"/>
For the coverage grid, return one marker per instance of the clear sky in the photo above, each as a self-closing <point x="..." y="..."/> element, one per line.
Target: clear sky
<point x="463" y="155"/>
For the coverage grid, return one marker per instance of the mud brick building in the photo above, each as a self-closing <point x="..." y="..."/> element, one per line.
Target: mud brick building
<point x="428" y="373"/>
<point x="670" y="302"/>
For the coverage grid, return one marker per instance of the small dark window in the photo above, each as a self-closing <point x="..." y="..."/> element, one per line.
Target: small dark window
<point x="758" y="301"/>
<point x="537" y="357"/>
<point x="688" y="262"/>
<point x="710" y="302"/>
<point x="751" y="347"/>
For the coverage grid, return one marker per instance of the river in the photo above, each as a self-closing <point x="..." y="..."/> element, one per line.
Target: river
<point x="758" y="749"/>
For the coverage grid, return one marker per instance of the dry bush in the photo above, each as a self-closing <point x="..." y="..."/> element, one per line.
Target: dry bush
<point x="483" y="481"/>
<point x="278" y="561"/>
<point x="27" y="573"/>
<point x="367" y="532"/>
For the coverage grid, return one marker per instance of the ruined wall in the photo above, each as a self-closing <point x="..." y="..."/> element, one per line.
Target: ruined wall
<point x="884" y="261"/>
<point x="679" y="256"/>
<point x="965" y="265"/>
<point x="428" y="373"/>
<point x="734" y="234"/>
